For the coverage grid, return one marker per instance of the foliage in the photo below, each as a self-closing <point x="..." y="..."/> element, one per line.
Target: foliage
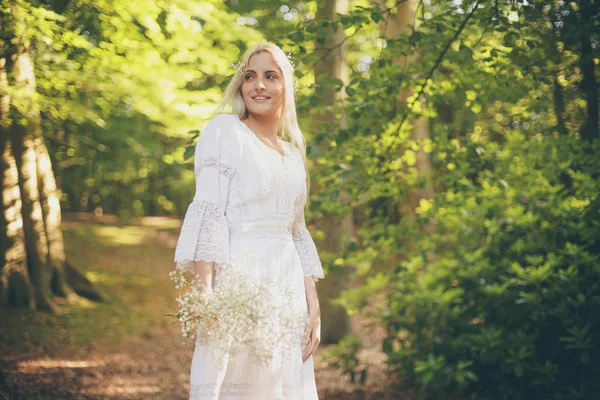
<point x="493" y="288"/>
<point x="344" y="356"/>
<point x="507" y="302"/>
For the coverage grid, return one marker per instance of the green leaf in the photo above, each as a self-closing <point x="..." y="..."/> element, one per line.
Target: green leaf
<point x="189" y="152"/>
<point x="298" y="37"/>
<point x="376" y="16"/>
<point x="519" y="370"/>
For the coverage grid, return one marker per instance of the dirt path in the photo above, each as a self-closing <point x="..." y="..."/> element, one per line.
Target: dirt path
<point x="152" y="366"/>
<point x="55" y="358"/>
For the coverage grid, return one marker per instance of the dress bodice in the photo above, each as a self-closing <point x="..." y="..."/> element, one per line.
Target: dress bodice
<point x="264" y="186"/>
<point x="242" y="182"/>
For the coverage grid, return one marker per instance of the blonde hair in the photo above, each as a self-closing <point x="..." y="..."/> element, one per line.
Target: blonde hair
<point x="233" y="102"/>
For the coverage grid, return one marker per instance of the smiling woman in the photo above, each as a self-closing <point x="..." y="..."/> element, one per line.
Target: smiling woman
<point x="262" y="90"/>
<point x="251" y="190"/>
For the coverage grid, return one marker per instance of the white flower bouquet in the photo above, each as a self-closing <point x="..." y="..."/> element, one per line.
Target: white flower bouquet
<point x="242" y="314"/>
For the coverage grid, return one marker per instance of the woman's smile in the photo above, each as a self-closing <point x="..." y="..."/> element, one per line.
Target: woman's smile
<point x="261" y="99"/>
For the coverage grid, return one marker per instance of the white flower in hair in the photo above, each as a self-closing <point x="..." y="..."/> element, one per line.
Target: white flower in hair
<point x="292" y="67"/>
<point x="289" y="56"/>
<point x="239" y="67"/>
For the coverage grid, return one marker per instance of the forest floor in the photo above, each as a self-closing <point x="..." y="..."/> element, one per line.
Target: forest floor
<point x="125" y="347"/>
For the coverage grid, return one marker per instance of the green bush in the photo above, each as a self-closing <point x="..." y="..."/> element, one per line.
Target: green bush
<point x="502" y="300"/>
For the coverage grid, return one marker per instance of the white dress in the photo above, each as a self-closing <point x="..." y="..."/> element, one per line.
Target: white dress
<point x="249" y="198"/>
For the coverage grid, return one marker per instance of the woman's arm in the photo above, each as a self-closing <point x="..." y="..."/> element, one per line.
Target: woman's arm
<point x="205" y="230"/>
<point x="312" y="337"/>
<point x="204" y="275"/>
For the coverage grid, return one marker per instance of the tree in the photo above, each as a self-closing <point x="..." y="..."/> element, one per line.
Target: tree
<point x="15" y="285"/>
<point x="330" y="72"/>
<point x="33" y="258"/>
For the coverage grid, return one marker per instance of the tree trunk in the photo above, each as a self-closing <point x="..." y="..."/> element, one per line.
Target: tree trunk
<point x="33" y="267"/>
<point x="403" y="22"/>
<point x="22" y="137"/>
<point x="49" y="199"/>
<point x="15" y="285"/>
<point x="335" y="321"/>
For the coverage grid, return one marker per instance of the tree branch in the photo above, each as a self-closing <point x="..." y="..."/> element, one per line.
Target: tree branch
<point x="431" y="72"/>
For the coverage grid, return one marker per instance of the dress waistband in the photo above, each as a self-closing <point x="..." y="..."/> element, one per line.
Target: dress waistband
<point x="252" y="226"/>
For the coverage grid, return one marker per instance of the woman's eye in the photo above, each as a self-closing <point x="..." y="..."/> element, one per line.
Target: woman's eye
<point x="272" y="76"/>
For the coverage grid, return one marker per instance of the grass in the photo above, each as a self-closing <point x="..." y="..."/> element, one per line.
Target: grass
<point x="129" y="264"/>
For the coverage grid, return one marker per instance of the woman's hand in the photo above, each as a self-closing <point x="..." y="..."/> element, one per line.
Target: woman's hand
<point x="203" y="280"/>
<point x="203" y="275"/>
<point x="312" y="335"/>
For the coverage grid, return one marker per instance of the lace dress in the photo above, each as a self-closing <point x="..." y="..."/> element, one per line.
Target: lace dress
<point x="249" y="197"/>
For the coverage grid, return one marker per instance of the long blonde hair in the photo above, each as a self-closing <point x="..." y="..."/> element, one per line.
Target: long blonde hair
<point x="233" y="102"/>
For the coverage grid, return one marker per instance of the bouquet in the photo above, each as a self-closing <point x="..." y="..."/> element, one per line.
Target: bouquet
<point x="242" y="313"/>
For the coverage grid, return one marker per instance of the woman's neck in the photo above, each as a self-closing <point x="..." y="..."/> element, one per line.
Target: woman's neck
<point x="265" y="126"/>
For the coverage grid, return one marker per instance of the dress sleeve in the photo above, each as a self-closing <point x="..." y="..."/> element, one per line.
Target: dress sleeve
<point x="305" y="245"/>
<point x="205" y="232"/>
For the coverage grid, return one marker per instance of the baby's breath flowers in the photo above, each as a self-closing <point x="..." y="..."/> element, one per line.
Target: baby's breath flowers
<point x="239" y="67"/>
<point x="242" y="314"/>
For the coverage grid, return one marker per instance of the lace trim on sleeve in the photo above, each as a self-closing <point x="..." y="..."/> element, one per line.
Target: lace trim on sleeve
<point x="213" y="162"/>
<point x="307" y="250"/>
<point x="204" y="235"/>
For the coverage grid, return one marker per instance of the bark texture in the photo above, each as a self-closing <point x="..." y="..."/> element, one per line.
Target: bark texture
<point x="22" y="137"/>
<point x="15" y="285"/>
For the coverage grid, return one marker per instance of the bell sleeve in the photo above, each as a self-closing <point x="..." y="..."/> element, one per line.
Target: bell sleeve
<point x="305" y="245"/>
<point x="205" y="232"/>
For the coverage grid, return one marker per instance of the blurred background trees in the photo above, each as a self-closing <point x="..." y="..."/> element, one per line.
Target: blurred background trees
<point x="110" y="89"/>
<point x="453" y="148"/>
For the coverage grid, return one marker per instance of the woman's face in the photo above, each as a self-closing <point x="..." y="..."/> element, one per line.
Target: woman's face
<point x="263" y="85"/>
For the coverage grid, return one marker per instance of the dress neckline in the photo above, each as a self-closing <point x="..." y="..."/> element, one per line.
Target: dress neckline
<point x="283" y="157"/>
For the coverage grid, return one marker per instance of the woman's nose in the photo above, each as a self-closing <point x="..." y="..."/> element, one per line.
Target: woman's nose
<point x="259" y="84"/>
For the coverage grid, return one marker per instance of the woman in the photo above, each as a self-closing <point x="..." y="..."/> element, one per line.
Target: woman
<point x="251" y="189"/>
